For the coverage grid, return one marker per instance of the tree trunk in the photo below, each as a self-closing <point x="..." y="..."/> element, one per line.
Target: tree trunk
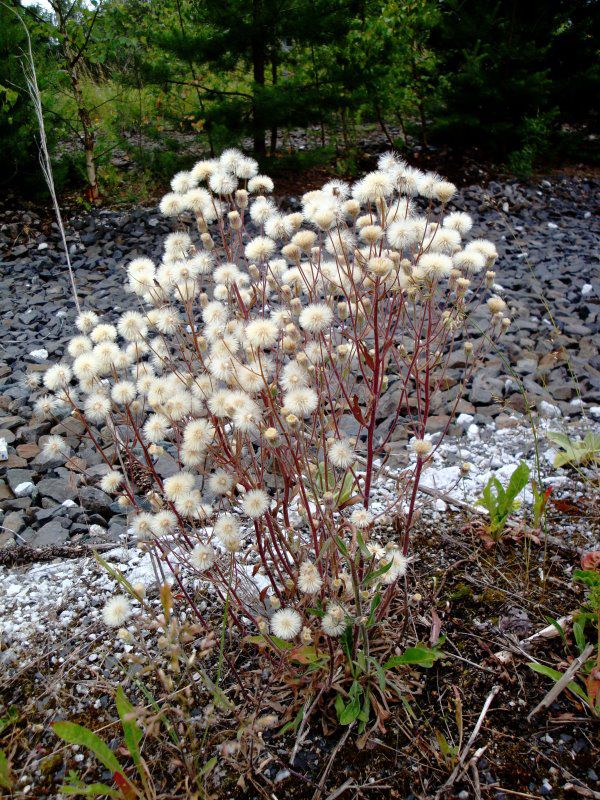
<point x="382" y="124"/>
<point x="258" y="74"/>
<point x="400" y="119"/>
<point x="89" y="140"/>
<point x="420" y="101"/>
<point x="273" y="145"/>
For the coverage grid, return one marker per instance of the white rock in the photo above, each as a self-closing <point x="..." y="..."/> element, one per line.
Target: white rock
<point x="552" y="225"/>
<point x="43" y="246"/>
<point x="3" y="450"/>
<point x="39" y="355"/>
<point x="68" y="503"/>
<point x="549" y="455"/>
<point x="595" y="411"/>
<point x="586" y="289"/>
<point x="464" y="419"/>
<point x="473" y="431"/>
<point x="24" y="489"/>
<point x="549" y="411"/>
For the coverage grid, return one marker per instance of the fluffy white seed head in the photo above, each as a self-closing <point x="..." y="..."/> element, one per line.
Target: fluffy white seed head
<point x="255" y="503"/>
<point x="111" y="481"/>
<point x="309" y="580"/>
<point x="202" y="557"/>
<point x="334" y="620"/>
<point x="178" y="485"/>
<point x="421" y="447"/>
<point x="261" y="333"/>
<point x="341" y="454"/>
<point x="260" y="249"/>
<point x="301" y="402"/>
<point x="286" y="624"/>
<point x="316" y="318"/>
<point x="116" y="611"/>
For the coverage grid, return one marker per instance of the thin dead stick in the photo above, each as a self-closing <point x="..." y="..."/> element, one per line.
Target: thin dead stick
<point x="301" y="731"/>
<point x="472" y="762"/>
<point x="584" y="791"/>
<point x="451" y="501"/>
<point x="36" y="98"/>
<point x="458" y="769"/>
<point x="340" y="790"/>
<point x="561" y="684"/>
<point x="549" y="632"/>
<point x="11" y="557"/>
<point x="336" y="750"/>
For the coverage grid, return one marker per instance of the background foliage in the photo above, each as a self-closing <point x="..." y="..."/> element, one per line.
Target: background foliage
<point x="141" y="87"/>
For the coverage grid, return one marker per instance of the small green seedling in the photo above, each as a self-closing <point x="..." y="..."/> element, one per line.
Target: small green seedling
<point x="573" y="452"/>
<point x="500" y="502"/>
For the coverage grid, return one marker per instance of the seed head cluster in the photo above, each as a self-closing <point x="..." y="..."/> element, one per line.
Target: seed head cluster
<point x="250" y="383"/>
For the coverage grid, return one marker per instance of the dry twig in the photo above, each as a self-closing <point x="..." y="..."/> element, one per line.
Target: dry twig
<point x="561" y="684"/>
<point x="458" y="769"/>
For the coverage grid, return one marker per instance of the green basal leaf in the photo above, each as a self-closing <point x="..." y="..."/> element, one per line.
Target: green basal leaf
<point x="90" y="790"/>
<point x="590" y="577"/>
<point x="78" y="734"/>
<point x="579" y="635"/>
<point x="372" y="576"/>
<point x="420" y="655"/>
<point x="131" y="730"/>
<point x="555" y="675"/>
<point x="293" y="724"/>
<point x="11" y="716"/>
<point x="208" y="767"/>
<point x="375" y="603"/>
<point x="342" y="547"/>
<point x="5" y="772"/>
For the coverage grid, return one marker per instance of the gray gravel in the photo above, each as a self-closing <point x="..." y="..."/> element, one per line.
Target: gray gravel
<point x="547" y="236"/>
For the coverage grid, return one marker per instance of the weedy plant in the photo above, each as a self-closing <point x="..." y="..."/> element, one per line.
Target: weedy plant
<point x="585" y="684"/>
<point x="500" y="503"/>
<point x="238" y="407"/>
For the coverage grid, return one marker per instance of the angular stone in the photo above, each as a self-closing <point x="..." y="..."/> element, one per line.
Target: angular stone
<point x="27" y="451"/>
<point x="57" y="489"/>
<point x="50" y="533"/>
<point x="14" y="522"/>
<point x="94" y="500"/>
<point x="15" y="477"/>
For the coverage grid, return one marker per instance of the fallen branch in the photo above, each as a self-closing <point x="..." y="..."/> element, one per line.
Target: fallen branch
<point x="16" y="556"/>
<point x="336" y="750"/>
<point x="561" y="684"/>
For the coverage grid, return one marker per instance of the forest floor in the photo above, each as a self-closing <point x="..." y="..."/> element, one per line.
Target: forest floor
<point x="58" y="663"/>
